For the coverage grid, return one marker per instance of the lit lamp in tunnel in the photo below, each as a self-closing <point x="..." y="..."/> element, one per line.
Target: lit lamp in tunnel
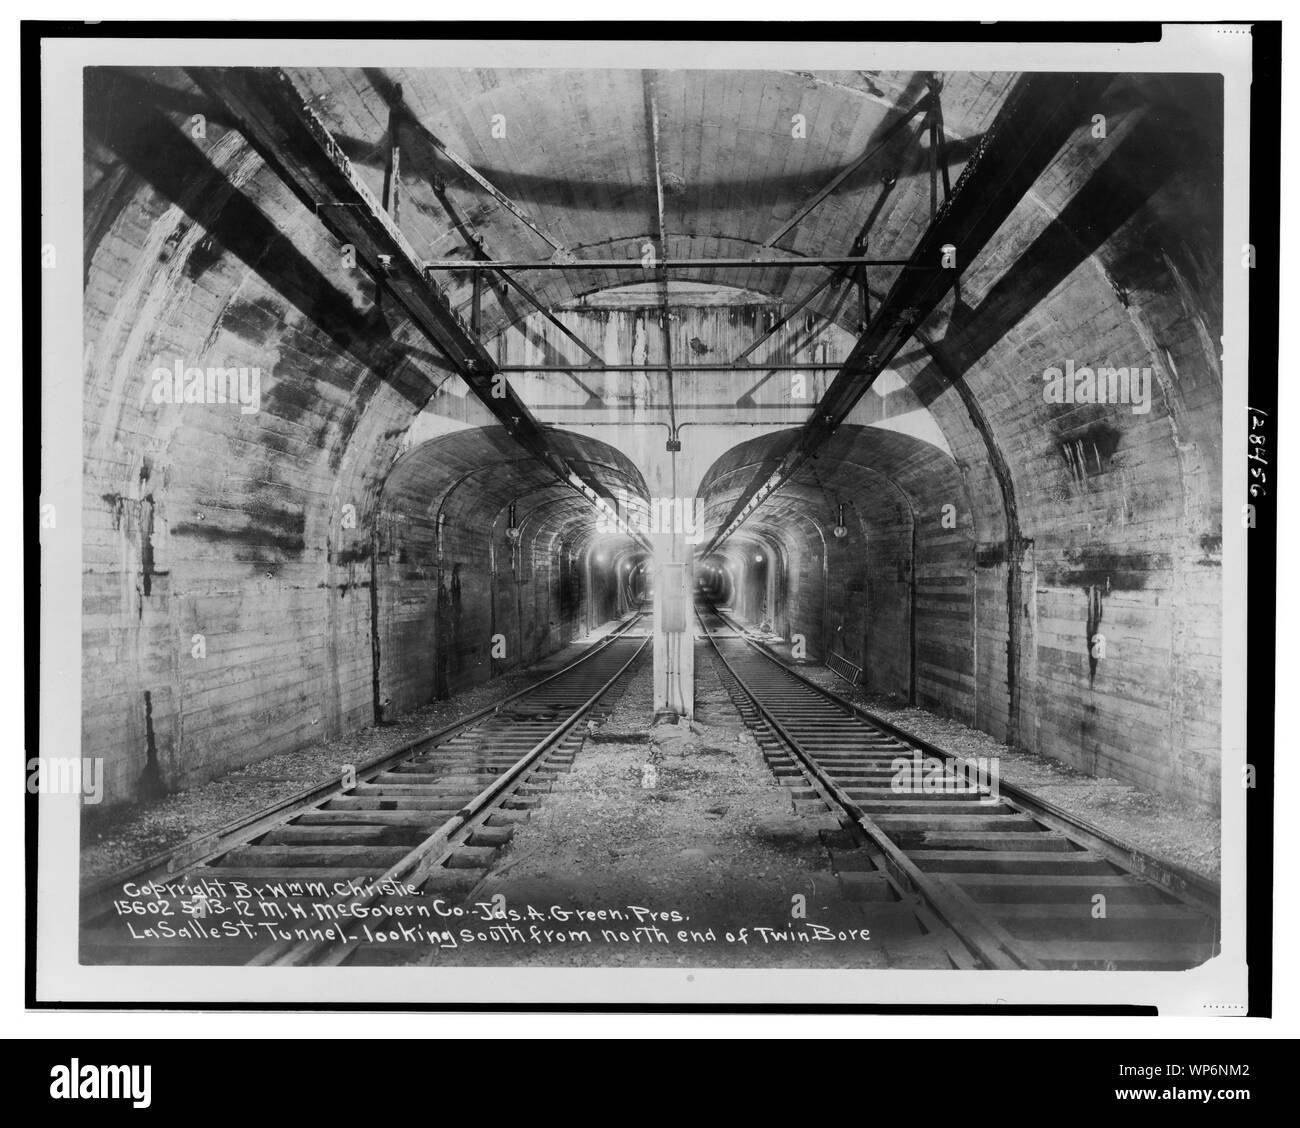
<point x="758" y="558"/>
<point x="512" y="530"/>
<point x="841" y="530"/>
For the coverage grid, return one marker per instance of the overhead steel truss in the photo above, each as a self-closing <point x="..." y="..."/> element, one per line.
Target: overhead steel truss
<point x="851" y="267"/>
<point x="1038" y="115"/>
<point x="1037" y="118"/>
<point x="297" y="145"/>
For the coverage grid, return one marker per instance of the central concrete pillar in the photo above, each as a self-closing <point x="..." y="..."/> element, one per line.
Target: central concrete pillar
<point x="674" y="626"/>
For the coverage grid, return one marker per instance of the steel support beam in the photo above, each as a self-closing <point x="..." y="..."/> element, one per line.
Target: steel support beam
<point x="536" y="302"/>
<point x="661" y="224"/>
<point x="1038" y="117"/>
<point x="423" y="133"/>
<point x="673" y="686"/>
<point x="848" y="170"/>
<point x="475" y="244"/>
<point x="742" y="358"/>
<point x="296" y="144"/>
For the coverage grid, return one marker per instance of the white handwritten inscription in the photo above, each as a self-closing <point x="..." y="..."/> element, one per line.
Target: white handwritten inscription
<point x="212" y="910"/>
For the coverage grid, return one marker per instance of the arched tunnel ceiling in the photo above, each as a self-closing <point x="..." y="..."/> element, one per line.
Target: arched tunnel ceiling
<point x="246" y="260"/>
<point x="583" y="168"/>
<point x="472" y="477"/>
<point x="877" y="475"/>
<point x="578" y="155"/>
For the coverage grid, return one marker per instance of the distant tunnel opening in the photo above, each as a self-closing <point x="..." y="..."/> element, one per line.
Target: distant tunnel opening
<point x="485" y="564"/>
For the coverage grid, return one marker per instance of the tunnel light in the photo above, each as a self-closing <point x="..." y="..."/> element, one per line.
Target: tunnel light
<point x="758" y="558"/>
<point x="841" y="530"/>
<point x="600" y="558"/>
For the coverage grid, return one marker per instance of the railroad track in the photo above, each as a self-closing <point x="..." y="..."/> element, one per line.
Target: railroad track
<point x="1021" y="883"/>
<point x="425" y="821"/>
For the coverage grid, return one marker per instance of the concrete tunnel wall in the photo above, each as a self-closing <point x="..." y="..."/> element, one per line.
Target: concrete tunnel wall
<point x="1095" y="583"/>
<point x="895" y="595"/>
<point x="459" y="600"/>
<point x="228" y="556"/>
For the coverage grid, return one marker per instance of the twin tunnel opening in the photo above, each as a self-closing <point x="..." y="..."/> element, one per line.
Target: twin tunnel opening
<point x="484" y="563"/>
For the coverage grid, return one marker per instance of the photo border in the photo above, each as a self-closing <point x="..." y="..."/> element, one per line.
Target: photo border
<point x="1260" y="570"/>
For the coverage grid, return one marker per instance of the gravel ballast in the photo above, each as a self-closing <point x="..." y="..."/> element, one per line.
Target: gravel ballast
<point x="714" y="838"/>
<point x="1161" y="825"/>
<point x="118" y="837"/>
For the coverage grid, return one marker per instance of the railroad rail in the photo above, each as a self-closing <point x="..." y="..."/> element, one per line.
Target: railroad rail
<point x="1021" y="883"/>
<point x="429" y="817"/>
